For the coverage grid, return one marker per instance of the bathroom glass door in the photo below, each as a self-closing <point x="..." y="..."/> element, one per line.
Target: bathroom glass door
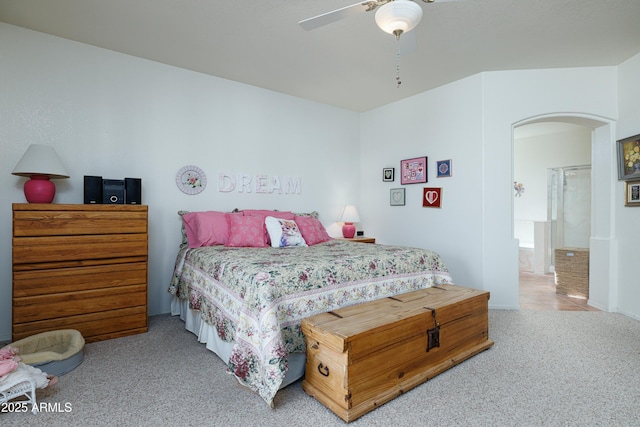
<point x="569" y="207"/>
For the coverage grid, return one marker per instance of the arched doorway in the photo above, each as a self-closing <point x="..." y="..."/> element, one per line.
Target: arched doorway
<point x="601" y="253"/>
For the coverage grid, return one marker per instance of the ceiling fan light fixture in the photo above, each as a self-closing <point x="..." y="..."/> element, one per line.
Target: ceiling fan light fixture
<point x="398" y="16"/>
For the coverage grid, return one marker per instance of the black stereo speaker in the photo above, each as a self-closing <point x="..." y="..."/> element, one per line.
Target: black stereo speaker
<point x="133" y="191"/>
<point x="92" y="190"/>
<point x="113" y="191"/>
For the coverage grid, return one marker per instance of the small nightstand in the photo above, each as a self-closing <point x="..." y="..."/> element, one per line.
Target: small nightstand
<point x="360" y="239"/>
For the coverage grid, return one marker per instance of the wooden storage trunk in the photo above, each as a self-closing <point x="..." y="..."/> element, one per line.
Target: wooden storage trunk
<point x="362" y="356"/>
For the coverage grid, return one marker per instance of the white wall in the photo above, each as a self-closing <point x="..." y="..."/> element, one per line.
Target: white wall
<point x="511" y="98"/>
<point x="471" y="121"/>
<point x="627" y="219"/>
<point x="445" y="123"/>
<point x="114" y="115"/>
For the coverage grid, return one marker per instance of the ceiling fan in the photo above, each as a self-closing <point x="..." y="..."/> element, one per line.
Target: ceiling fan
<point x="395" y="17"/>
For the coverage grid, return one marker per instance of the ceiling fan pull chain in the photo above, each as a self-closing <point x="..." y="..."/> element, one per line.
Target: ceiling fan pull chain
<point x="398" y="82"/>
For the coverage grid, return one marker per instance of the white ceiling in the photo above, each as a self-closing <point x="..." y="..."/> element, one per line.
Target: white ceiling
<point x="350" y="63"/>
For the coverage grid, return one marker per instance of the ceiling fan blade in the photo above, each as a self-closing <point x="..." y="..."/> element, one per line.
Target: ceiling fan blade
<point x="335" y="15"/>
<point x="408" y="43"/>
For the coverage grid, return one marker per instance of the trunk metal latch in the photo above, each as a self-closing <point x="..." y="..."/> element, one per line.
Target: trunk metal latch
<point x="433" y="335"/>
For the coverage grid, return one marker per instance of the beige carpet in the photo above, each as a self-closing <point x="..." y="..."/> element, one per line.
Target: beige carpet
<point x="545" y="369"/>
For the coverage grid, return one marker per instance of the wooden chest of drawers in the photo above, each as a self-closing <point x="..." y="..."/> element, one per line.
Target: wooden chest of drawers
<point x="362" y="356"/>
<point x="82" y="267"/>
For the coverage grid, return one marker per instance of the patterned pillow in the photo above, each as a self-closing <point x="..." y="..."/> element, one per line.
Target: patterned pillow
<point x="283" y="233"/>
<point x="246" y="231"/>
<point x="313" y="214"/>
<point x="185" y="239"/>
<point x="264" y="213"/>
<point x="312" y="230"/>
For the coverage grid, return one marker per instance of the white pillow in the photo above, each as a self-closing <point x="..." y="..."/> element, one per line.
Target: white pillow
<point x="283" y="232"/>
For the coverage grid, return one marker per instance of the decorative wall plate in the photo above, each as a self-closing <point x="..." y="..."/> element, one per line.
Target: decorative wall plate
<point x="191" y="180"/>
<point x="443" y="168"/>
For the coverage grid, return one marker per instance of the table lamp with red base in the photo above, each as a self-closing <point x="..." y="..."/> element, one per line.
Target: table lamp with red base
<point x="40" y="163"/>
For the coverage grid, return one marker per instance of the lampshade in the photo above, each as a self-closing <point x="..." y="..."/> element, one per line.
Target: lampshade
<point x="350" y="214"/>
<point x="398" y="16"/>
<point x="40" y="163"/>
<point x="40" y="159"/>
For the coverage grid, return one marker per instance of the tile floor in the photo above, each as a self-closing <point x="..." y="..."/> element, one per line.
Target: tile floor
<point x="538" y="292"/>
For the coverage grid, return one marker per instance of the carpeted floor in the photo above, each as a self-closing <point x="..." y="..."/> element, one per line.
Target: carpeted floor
<point x="550" y="368"/>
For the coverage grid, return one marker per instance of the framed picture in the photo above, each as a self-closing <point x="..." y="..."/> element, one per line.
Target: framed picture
<point x="388" y="174"/>
<point x="443" y="168"/>
<point x="632" y="193"/>
<point x="629" y="158"/>
<point x="432" y="198"/>
<point x="397" y="196"/>
<point x="413" y="171"/>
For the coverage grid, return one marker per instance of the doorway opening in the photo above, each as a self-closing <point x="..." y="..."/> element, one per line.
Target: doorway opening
<point x="552" y="214"/>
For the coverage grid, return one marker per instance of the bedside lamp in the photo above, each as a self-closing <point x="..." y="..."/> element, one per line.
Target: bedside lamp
<point x="40" y="163"/>
<point x="349" y="216"/>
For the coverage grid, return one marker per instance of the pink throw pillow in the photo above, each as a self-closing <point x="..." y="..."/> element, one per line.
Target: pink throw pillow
<point x="266" y="213"/>
<point x="246" y="231"/>
<point x="263" y="213"/>
<point x="206" y="228"/>
<point x="312" y="230"/>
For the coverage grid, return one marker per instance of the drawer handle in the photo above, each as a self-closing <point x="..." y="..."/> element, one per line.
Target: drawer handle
<point x="324" y="370"/>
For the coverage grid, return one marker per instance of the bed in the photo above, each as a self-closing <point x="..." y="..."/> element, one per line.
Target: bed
<point x="246" y="303"/>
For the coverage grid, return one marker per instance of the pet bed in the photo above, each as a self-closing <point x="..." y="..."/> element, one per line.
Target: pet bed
<point x="54" y="352"/>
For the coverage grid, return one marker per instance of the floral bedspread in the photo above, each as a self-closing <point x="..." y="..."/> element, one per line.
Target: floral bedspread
<point x="257" y="297"/>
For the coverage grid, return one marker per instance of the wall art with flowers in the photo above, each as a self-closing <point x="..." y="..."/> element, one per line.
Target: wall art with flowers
<point x="629" y="158"/>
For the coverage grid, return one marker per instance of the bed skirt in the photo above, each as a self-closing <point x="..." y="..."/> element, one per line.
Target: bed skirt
<point x="208" y="335"/>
